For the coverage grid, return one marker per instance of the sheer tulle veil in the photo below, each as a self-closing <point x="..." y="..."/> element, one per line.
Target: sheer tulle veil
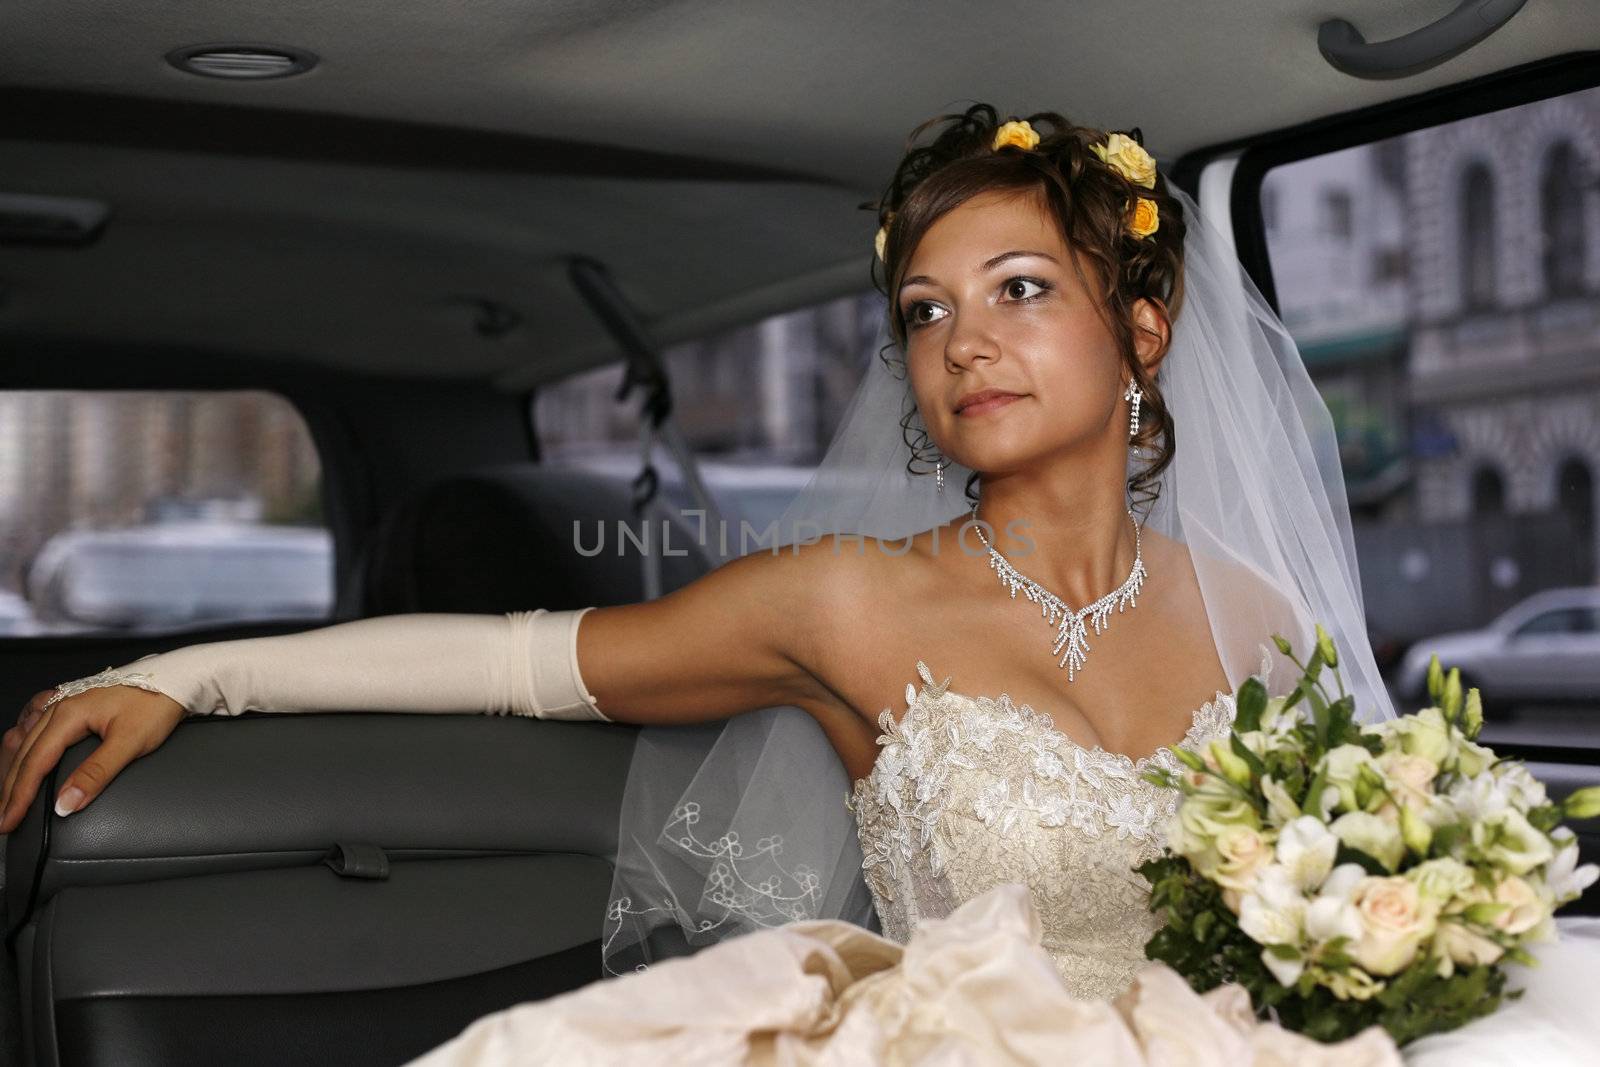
<point x="738" y="825"/>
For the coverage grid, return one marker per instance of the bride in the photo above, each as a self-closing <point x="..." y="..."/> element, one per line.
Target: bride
<point x="1086" y="402"/>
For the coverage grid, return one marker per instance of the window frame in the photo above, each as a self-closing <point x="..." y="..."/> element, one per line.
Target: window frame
<point x="339" y="470"/>
<point x="1241" y="166"/>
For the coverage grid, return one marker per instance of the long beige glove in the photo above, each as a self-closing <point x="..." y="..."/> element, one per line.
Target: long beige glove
<point x="520" y="663"/>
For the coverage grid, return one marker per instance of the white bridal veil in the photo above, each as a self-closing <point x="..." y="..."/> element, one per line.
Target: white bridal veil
<point x="733" y="826"/>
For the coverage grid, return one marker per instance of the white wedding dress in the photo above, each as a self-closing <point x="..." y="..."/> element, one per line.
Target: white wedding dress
<point x="972" y="792"/>
<point x="1000" y="855"/>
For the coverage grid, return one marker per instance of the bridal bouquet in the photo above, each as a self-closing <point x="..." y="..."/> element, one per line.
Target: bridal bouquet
<point x="1349" y="874"/>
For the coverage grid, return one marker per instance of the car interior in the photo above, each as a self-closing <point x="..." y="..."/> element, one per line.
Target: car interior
<point x="410" y="223"/>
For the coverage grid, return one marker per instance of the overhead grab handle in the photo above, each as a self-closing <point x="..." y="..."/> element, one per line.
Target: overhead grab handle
<point x="1342" y="45"/>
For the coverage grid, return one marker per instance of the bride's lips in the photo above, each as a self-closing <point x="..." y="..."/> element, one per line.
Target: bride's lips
<point x="985" y="400"/>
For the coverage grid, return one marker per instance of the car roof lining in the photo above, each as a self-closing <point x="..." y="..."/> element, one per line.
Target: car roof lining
<point x="714" y="156"/>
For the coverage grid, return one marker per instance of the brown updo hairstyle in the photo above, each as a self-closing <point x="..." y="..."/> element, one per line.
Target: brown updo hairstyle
<point x="1091" y="202"/>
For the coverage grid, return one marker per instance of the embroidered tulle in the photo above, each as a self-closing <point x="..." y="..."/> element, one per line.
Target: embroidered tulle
<point x="970" y="792"/>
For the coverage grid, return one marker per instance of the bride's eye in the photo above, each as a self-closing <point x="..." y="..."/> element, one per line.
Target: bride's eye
<point x="914" y="314"/>
<point x="1013" y="285"/>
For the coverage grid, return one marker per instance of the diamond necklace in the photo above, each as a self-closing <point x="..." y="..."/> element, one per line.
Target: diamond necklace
<point x="1072" y="631"/>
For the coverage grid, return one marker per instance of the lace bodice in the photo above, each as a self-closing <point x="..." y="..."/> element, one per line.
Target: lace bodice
<point x="970" y="792"/>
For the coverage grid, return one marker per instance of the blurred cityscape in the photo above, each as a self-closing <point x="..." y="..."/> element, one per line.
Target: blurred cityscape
<point x="119" y="508"/>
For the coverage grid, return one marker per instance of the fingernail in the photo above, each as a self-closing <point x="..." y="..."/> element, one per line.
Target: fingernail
<point x="69" y="801"/>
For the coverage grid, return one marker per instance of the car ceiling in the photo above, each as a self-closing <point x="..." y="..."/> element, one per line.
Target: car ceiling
<point x="712" y="153"/>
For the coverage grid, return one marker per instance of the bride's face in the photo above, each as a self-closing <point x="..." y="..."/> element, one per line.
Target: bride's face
<point x="992" y="299"/>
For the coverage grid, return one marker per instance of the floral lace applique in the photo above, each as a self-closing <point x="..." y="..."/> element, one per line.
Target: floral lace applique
<point x="108" y="677"/>
<point x="971" y="791"/>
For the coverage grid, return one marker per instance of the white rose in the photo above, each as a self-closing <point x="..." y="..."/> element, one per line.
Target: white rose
<point x="1521" y="787"/>
<point x="1442" y="880"/>
<point x="1368" y="833"/>
<point x="1526" y="910"/>
<point x="1242" y="851"/>
<point x="1481" y="798"/>
<point x="1511" y="842"/>
<point x="1395" y="919"/>
<point x="1306" y="848"/>
<point x="1409" y="778"/>
<point x="1424" y="734"/>
<point x="1193" y="830"/>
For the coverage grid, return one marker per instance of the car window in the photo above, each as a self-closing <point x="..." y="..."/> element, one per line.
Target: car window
<point x="757" y="404"/>
<point x="1443" y="288"/>
<point x="1563" y="621"/>
<point x="146" y="511"/>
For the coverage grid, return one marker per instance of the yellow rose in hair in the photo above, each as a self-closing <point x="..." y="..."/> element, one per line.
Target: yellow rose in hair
<point x="1129" y="158"/>
<point x="1145" y="218"/>
<point x="1020" y="134"/>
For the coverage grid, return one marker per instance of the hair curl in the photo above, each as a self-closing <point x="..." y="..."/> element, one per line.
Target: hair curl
<point x="1089" y="200"/>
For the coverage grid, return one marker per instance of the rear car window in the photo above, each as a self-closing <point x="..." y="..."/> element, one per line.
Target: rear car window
<point x="142" y="511"/>
<point x="1444" y="288"/>
<point x="757" y="404"/>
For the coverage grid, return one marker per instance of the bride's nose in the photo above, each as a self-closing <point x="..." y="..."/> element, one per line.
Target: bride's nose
<point x="969" y="340"/>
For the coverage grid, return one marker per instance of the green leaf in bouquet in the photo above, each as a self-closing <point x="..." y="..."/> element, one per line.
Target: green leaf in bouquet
<point x="1313" y="801"/>
<point x="1321" y="718"/>
<point x="1342" y="728"/>
<point x="1313" y="667"/>
<point x="1518" y="954"/>
<point x="1251" y="760"/>
<point x="1445" y="839"/>
<point x="1204" y="926"/>
<point x="1251" y="702"/>
<point x="1545" y="817"/>
<point x="1333" y="956"/>
<point x="1189" y="759"/>
<point x="1283" y="952"/>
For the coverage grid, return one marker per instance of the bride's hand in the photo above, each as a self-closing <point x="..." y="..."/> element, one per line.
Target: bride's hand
<point x="129" y="721"/>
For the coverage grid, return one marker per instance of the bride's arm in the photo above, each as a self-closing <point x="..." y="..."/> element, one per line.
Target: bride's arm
<point x="731" y="641"/>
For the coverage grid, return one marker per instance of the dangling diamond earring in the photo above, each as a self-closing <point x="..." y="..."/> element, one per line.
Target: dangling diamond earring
<point x="1134" y="394"/>
<point x="938" y="474"/>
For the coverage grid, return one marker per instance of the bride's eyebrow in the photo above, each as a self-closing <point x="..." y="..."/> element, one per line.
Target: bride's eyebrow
<point x="986" y="265"/>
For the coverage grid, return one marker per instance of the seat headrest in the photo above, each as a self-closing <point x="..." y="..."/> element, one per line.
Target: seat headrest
<point x="499" y="539"/>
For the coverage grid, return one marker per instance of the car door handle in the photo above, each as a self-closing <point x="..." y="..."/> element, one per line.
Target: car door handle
<point x="1342" y="45"/>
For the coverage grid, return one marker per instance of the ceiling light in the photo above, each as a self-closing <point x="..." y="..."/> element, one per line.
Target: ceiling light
<point x="247" y="62"/>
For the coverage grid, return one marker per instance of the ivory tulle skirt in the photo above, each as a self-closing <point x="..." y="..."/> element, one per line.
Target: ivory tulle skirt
<point x="977" y="988"/>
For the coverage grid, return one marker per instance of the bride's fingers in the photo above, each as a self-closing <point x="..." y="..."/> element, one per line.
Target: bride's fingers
<point x="12" y="740"/>
<point x="26" y="734"/>
<point x="118" y="748"/>
<point x="55" y="734"/>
